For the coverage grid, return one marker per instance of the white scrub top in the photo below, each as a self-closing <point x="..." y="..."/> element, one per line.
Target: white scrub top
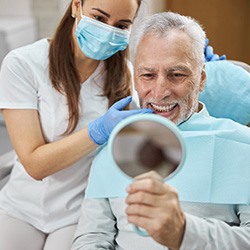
<point x="55" y="201"/>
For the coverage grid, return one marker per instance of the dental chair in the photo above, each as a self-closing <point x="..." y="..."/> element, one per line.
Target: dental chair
<point x="6" y="163"/>
<point x="227" y="90"/>
<point x="7" y="154"/>
<point x="241" y="64"/>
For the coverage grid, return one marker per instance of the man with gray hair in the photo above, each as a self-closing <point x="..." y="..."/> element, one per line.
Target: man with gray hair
<point x="169" y="73"/>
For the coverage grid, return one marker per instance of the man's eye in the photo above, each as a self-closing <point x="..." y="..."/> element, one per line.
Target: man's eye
<point x="177" y="77"/>
<point x="147" y="76"/>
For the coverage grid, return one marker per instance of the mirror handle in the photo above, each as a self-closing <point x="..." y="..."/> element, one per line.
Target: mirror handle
<point x="140" y="231"/>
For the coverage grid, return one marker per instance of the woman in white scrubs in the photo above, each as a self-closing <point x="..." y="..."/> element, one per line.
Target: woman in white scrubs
<point x="54" y="95"/>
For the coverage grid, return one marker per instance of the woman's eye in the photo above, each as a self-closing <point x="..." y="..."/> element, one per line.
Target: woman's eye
<point x="100" y="18"/>
<point x="122" y="26"/>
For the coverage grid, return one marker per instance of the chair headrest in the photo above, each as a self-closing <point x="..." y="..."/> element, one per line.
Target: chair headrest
<point x="227" y="91"/>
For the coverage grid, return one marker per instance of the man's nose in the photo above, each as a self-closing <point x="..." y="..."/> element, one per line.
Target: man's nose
<point x="162" y="88"/>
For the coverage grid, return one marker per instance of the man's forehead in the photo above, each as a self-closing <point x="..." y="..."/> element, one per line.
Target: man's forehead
<point x="154" y="46"/>
<point x="169" y="53"/>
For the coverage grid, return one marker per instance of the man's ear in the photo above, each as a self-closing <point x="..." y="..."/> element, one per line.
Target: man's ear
<point x="203" y="79"/>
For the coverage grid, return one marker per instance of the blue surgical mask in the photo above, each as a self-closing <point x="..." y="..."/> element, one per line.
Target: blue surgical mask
<point x="98" y="40"/>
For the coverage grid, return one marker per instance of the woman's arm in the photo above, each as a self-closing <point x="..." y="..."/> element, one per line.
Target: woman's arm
<point x="41" y="159"/>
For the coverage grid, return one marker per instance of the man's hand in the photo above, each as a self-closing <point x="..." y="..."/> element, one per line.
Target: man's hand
<point x="154" y="206"/>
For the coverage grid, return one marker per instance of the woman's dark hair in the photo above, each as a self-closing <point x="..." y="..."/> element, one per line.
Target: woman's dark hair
<point x="65" y="78"/>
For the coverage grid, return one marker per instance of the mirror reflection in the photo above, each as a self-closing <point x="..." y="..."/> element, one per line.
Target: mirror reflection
<point x="147" y="145"/>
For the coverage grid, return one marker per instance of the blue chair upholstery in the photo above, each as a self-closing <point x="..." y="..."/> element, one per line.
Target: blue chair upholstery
<point x="227" y="91"/>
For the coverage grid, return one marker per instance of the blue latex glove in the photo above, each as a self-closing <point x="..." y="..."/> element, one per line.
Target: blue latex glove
<point x="100" y="129"/>
<point x="209" y="53"/>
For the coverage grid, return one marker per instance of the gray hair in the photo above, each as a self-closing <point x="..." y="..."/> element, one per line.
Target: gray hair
<point x="161" y="24"/>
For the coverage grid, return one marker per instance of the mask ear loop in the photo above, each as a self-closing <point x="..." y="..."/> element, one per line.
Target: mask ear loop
<point x="76" y="20"/>
<point x="81" y="9"/>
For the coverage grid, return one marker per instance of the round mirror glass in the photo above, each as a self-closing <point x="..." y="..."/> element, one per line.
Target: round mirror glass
<point x="144" y="145"/>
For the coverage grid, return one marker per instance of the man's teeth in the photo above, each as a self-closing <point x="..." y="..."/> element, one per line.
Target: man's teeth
<point x="163" y="108"/>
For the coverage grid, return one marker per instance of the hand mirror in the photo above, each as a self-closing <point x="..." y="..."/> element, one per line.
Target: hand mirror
<point x="147" y="142"/>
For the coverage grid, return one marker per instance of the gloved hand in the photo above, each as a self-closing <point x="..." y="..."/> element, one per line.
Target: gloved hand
<point x="100" y="129"/>
<point x="209" y="53"/>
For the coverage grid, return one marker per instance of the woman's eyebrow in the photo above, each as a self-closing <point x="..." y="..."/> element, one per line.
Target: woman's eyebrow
<point x="108" y="15"/>
<point x="126" y="21"/>
<point x="103" y="12"/>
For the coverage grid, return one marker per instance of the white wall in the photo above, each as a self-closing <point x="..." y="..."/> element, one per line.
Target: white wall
<point x="17" y="25"/>
<point x="48" y="14"/>
<point x="16" y="8"/>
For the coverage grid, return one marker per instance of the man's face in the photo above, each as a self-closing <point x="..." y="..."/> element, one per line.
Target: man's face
<point x="167" y="76"/>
